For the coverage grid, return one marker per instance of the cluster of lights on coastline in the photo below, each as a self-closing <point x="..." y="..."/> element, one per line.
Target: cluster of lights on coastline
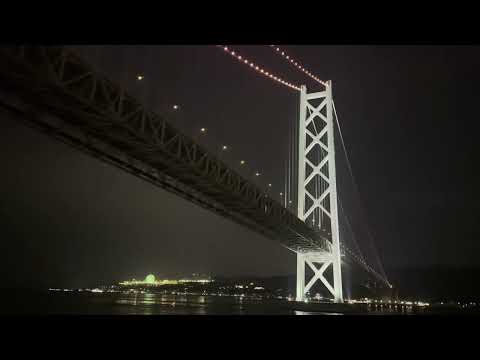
<point x="257" y="68"/>
<point x="389" y="302"/>
<point x="151" y="281"/>
<point x="297" y="64"/>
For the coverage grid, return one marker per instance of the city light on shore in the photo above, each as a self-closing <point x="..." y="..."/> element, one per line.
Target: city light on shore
<point x="150" y="280"/>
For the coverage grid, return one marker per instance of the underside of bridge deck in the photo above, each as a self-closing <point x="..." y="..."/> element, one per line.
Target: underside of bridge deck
<point x="57" y="92"/>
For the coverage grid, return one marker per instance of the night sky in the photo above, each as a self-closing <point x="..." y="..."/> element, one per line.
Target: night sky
<point x="408" y="113"/>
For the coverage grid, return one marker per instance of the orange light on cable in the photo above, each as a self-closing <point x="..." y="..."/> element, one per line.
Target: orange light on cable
<point x="257" y="68"/>
<point x="297" y="65"/>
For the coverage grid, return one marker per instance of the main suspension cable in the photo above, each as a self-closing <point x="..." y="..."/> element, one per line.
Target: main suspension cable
<point x="297" y="64"/>
<point x="257" y="68"/>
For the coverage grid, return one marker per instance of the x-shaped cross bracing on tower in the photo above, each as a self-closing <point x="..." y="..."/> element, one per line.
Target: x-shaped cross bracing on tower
<point x="317" y="193"/>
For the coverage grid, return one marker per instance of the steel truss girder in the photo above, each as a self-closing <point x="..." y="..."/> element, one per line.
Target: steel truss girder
<point x="90" y="110"/>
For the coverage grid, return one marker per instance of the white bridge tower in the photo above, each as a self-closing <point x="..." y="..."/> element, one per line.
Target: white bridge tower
<point x="317" y="190"/>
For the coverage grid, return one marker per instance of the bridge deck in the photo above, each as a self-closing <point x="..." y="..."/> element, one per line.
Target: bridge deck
<point x="56" y="91"/>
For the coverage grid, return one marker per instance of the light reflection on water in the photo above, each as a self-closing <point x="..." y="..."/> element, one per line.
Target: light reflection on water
<point x="86" y="303"/>
<point x="297" y="312"/>
<point x="191" y="304"/>
<point x="155" y="304"/>
<point x="200" y="304"/>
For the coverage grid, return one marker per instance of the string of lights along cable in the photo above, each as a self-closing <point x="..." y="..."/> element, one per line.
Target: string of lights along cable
<point x="236" y="54"/>
<point x="257" y="68"/>
<point x="297" y="64"/>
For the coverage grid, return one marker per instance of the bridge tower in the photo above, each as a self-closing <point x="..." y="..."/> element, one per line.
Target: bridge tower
<point x="317" y="191"/>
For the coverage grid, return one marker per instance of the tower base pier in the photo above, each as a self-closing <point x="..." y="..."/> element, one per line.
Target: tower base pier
<point x="318" y="263"/>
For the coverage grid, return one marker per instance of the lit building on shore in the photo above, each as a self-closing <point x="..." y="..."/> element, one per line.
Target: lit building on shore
<point x="150" y="280"/>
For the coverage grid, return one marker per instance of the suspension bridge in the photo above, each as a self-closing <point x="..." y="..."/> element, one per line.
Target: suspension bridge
<point x="57" y="92"/>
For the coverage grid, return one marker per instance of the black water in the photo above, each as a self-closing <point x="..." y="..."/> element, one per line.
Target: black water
<point x="88" y="303"/>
